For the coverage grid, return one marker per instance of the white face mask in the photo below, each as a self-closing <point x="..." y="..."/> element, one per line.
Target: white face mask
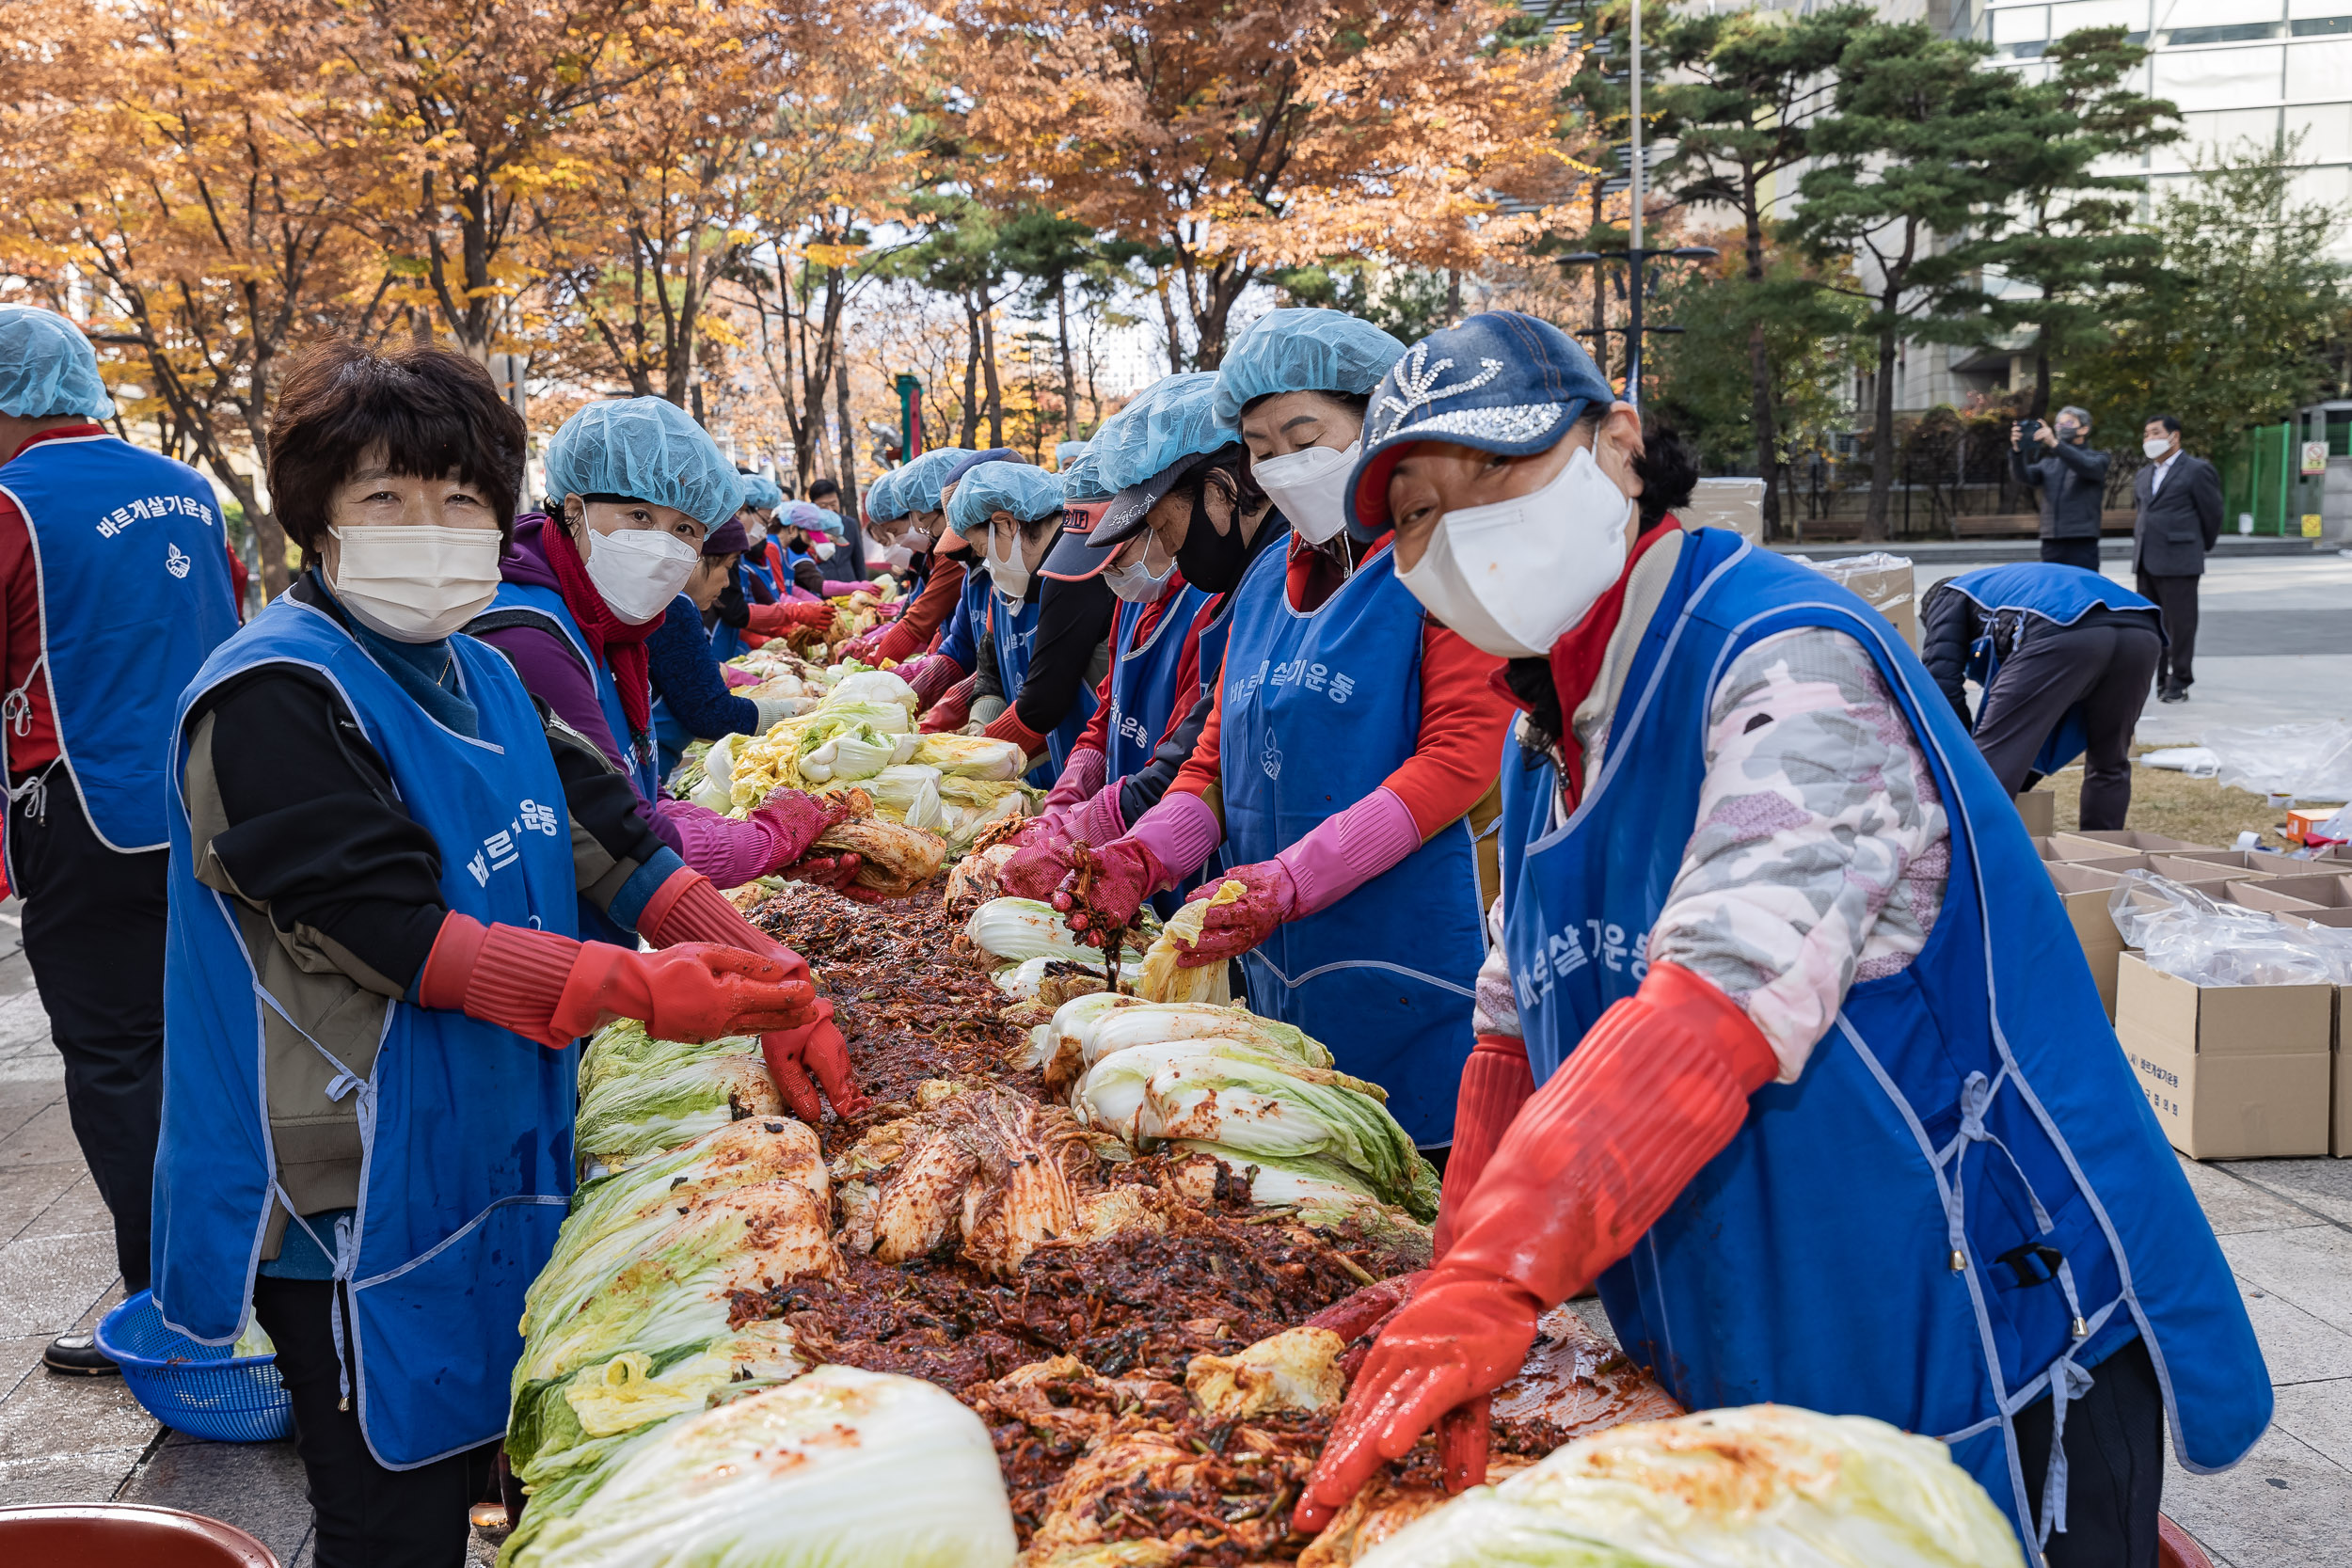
<point x="1135" y="581"/>
<point x="416" y="583"/>
<point x="899" y="557"/>
<point x="639" y="570"/>
<point x="2156" y="451"/>
<point x="1011" y="578"/>
<point x="1511" y="578"/>
<point x="1310" y="487"/>
<point x="822" y="549"/>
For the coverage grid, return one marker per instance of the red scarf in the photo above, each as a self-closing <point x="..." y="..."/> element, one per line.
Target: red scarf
<point x="1576" y="659"/>
<point x="621" y="646"/>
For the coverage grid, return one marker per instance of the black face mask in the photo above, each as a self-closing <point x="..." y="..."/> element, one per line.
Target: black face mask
<point x="1212" y="561"/>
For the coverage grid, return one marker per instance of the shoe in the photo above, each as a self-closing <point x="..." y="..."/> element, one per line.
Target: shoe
<point x="78" y="1355"/>
<point x="2173" y="694"/>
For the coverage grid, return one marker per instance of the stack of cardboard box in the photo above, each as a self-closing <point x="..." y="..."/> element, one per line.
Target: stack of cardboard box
<point x="2232" y="1072"/>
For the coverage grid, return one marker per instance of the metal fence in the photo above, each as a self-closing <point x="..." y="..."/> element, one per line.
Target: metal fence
<point x="1953" y="479"/>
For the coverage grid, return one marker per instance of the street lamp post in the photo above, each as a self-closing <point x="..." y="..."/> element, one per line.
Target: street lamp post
<point x="1637" y="260"/>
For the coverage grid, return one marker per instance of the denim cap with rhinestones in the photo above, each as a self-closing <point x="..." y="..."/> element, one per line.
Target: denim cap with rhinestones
<point x="1501" y="382"/>
<point x="1303" y="351"/>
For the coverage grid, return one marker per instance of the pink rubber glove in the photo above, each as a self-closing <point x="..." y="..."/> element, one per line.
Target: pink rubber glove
<point x="860" y="647"/>
<point x="775" y="836"/>
<point x="736" y="679"/>
<point x="1098" y="819"/>
<point x="1081" y="776"/>
<point x="931" y="675"/>
<point x="1341" y="855"/>
<point x="1036" y="870"/>
<point x="1170" y="842"/>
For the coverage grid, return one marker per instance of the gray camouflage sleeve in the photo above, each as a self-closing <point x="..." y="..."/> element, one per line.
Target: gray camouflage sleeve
<point x="1821" y="849"/>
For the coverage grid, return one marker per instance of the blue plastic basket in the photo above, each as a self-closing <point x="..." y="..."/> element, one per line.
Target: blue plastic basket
<point x="204" y="1390"/>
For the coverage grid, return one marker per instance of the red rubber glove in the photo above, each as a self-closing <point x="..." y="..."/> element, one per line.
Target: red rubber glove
<point x="1037" y="866"/>
<point x="1233" y="929"/>
<point x="1496" y="1082"/>
<point x="687" y="908"/>
<point x="1007" y="726"/>
<point x="554" y="990"/>
<point x="953" y="711"/>
<point x="1125" y="873"/>
<point x="1656" y="1089"/>
<point x="774" y="620"/>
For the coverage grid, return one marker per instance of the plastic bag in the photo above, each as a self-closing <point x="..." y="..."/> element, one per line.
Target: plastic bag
<point x="2181" y="932"/>
<point x="2311" y="761"/>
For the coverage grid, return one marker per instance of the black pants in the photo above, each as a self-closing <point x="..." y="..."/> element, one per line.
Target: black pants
<point x="94" y="936"/>
<point x="2114" y="1465"/>
<point x="2106" y="669"/>
<point x="2177" y="598"/>
<point x="368" y="1516"/>
<point x="2073" y="552"/>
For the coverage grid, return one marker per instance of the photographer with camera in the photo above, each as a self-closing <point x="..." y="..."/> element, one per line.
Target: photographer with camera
<point x="2073" y="479"/>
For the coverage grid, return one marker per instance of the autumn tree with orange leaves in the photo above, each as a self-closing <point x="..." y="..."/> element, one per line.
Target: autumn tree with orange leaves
<point x="1227" y="140"/>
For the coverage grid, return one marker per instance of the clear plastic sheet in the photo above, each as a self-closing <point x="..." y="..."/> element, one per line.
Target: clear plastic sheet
<point x="2311" y="761"/>
<point x="2181" y="932"/>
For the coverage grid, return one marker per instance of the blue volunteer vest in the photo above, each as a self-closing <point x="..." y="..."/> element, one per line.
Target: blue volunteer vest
<point x="967" y="624"/>
<point x="1317" y="710"/>
<point x="1012" y="631"/>
<point x="1965" y="1175"/>
<point x="133" y="573"/>
<point x="2063" y="594"/>
<point x="468" y="1128"/>
<point x="1143" y="678"/>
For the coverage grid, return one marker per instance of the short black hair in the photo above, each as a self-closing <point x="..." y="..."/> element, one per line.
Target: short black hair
<point x="432" y="411"/>
<point x="822" y="486"/>
<point x="2170" y="422"/>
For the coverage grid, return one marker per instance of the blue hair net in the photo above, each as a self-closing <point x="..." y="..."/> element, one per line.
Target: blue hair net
<point x="920" y="481"/>
<point x="47" y="368"/>
<point x="882" y="498"/>
<point x="1023" y="489"/>
<point x="649" y="449"/>
<point x="1065" y="452"/>
<point x="809" y="515"/>
<point x="762" y="493"/>
<point x="1303" y="351"/>
<point x="1169" y="421"/>
<point x="1082" y="479"/>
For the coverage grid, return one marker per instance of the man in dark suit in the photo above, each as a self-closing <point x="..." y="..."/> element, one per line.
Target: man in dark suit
<point x="2179" y="505"/>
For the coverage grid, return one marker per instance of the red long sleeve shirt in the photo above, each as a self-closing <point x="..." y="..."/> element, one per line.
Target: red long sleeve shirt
<point x="20" y="606"/>
<point x="1458" y="748"/>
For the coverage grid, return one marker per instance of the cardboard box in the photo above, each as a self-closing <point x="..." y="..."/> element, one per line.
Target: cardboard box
<point x="2038" y="809"/>
<point x="2338" y="919"/>
<point x="2302" y="821"/>
<point x="2066" y="848"/>
<point x="2125" y="841"/>
<point x="2216" y="865"/>
<point x="2224" y="1020"/>
<point x="2084" y="891"/>
<point x="2324" y="889"/>
<point x="2265" y="896"/>
<point x="2231" y="1106"/>
<point x="1736" y="504"/>
<point x="1885" y="582"/>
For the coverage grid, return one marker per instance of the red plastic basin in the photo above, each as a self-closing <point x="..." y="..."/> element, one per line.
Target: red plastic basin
<point x="123" y="1535"/>
<point x="2176" y="1549"/>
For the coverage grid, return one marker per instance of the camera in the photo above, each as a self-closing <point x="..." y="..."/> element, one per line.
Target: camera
<point x="2028" y="430"/>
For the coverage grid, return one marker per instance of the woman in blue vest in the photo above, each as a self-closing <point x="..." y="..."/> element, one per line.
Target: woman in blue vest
<point x="691" y="698"/>
<point x="380" y="852"/>
<point x="640" y="484"/>
<point x="1828" y="1105"/>
<point x="1351" y="746"/>
<point x="1154" y="679"/>
<point x="1009" y="514"/>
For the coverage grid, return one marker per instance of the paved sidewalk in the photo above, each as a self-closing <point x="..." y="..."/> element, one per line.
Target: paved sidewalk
<point x="2285" y="1223"/>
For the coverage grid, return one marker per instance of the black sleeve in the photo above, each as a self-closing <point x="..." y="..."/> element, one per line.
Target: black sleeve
<point x="1139" y="791"/>
<point x="602" y="802"/>
<point x="1947" y="629"/>
<point x="809" y="574"/>
<point x="732" y="608"/>
<point x="317" y="831"/>
<point x="2089" y="462"/>
<point x="2027" y="473"/>
<point x="1073" y="621"/>
<point x="2205" y="493"/>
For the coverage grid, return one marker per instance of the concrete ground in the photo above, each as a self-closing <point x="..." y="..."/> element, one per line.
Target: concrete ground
<point x="2276" y="647"/>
